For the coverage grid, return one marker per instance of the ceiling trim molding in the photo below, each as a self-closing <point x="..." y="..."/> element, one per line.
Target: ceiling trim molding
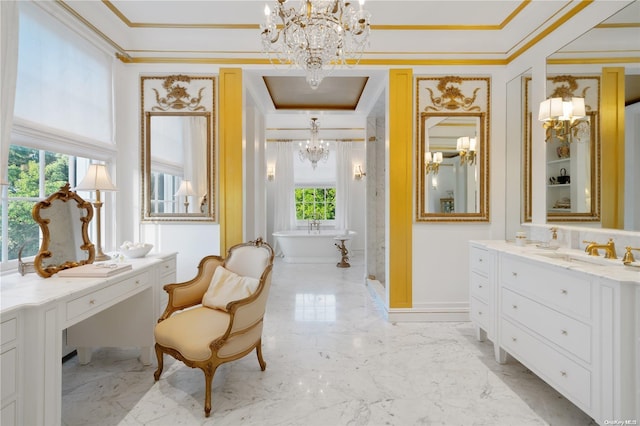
<point x="609" y="60"/>
<point x="562" y="20"/>
<point x="494" y="27"/>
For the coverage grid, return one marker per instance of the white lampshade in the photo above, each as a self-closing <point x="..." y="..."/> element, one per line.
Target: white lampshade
<point x="577" y="108"/>
<point x="437" y="157"/>
<point x="550" y="109"/>
<point x="472" y="144"/>
<point x="97" y="178"/>
<point x="427" y="157"/>
<point x="185" y="189"/>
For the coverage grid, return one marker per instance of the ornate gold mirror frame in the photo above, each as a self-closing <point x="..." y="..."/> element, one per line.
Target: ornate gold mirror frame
<point x="579" y="159"/>
<point x="63" y="241"/>
<point x="463" y="104"/>
<point x="177" y="120"/>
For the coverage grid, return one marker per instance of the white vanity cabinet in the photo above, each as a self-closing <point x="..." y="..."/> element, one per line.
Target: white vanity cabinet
<point x="545" y="322"/>
<point x="10" y="355"/>
<point x="575" y="325"/>
<point x="118" y="311"/>
<point x="481" y="291"/>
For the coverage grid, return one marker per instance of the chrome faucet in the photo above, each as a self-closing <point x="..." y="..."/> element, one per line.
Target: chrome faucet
<point x="315" y="223"/>
<point x="609" y="248"/>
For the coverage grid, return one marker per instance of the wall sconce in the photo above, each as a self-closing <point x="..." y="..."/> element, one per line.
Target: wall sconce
<point x="185" y="190"/>
<point x="358" y="174"/>
<point x="466" y="147"/>
<point x="560" y="117"/>
<point x="271" y="173"/>
<point x="432" y="162"/>
<point x="97" y="179"/>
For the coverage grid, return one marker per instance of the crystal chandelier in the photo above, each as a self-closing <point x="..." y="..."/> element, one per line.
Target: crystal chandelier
<point x="317" y="36"/>
<point x="315" y="149"/>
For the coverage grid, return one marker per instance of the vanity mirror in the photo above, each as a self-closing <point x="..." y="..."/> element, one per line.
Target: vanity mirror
<point x="177" y="116"/>
<point x="572" y="159"/>
<point x="452" y="149"/>
<point x="64" y="221"/>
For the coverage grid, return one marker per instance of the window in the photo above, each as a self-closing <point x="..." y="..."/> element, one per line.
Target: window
<point x="62" y="121"/>
<point x="315" y="203"/>
<point x="33" y="175"/>
<point x="315" y="189"/>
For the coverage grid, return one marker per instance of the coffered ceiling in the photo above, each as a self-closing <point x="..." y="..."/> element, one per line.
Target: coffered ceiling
<point x="404" y="33"/>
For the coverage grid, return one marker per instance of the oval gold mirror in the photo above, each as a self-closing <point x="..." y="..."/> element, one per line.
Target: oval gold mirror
<point x="64" y="219"/>
<point x="452" y="149"/>
<point x="177" y="148"/>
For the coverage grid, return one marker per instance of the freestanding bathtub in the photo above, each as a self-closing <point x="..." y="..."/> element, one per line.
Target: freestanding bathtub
<point x="302" y="246"/>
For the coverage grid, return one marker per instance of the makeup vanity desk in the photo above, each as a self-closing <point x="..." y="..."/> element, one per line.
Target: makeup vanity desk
<point x="118" y="311"/>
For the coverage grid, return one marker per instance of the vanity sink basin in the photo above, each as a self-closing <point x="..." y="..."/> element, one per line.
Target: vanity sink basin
<point x="576" y="258"/>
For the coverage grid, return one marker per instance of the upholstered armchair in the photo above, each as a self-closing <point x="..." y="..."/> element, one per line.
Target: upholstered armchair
<point x="217" y="316"/>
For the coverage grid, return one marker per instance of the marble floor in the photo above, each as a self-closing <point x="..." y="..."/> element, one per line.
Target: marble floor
<point x="332" y="359"/>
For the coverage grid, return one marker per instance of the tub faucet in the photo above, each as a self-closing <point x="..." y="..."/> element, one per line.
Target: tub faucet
<point x="315" y="223"/>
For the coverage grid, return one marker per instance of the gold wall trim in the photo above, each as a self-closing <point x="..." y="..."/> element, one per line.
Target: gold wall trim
<point x="259" y="61"/>
<point x="612" y="132"/>
<point x="609" y="60"/>
<point x="400" y="232"/>
<point x="230" y="138"/>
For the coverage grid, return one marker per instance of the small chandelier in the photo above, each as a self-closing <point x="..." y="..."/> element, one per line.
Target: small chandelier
<point x="317" y="36"/>
<point x="466" y="147"/>
<point x="561" y="117"/>
<point x="432" y="162"/>
<point x="315" y="149"/>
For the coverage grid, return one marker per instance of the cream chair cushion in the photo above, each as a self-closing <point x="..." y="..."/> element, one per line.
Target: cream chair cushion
<point x="191" y="331"/>
<point x="227" y="286"/>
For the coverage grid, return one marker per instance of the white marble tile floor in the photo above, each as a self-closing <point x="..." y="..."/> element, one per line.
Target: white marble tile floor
<point x="332" y="359"/>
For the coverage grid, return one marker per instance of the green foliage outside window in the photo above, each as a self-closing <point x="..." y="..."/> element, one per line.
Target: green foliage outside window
<point x="24" y="182"/>
<point x="315" y="203"/>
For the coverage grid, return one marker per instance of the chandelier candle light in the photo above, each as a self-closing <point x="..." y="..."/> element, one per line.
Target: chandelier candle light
<point x="315" y="149"/>
<point x="466" y="147"/>
<point x="432" y="162"/>
<point x="97" y="179"/>
<point x="317" y="36"/>
<point x="561" y="116"/>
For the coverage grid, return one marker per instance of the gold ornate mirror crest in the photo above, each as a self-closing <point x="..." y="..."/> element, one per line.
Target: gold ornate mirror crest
<point x="177" y="148"/>
<point x="64" y="219"/>
<point x="452" y="149"/>
<point x="573" y="163"/>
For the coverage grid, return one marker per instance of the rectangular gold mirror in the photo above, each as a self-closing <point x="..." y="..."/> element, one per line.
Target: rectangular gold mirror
<point x="178" y="148"/>
<point x="452" y="149"/>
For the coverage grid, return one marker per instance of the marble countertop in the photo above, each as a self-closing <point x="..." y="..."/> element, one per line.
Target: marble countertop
<point x="576" y="260"/>
<point x="17" y="291"/>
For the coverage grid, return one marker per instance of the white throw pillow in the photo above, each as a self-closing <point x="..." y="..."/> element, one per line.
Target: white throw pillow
<point x="227" y="286"/>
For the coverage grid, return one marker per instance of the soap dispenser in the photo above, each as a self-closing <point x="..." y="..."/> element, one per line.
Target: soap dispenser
<point x="554" y="243"/>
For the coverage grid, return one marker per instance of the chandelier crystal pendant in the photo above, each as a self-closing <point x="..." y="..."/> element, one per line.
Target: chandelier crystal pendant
<point x="315" y="149"/>
<point x="318" y="36"/>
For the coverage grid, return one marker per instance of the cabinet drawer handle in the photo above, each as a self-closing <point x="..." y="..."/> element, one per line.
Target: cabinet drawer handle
<point x="137" y="282"/>
<point x="563" y="373"/>
<point x="515" y="306"/>
<point x="479" y="312"/>
<point x="479" y="285"/>
<point x="563" y="291"/>
<point x="515" y="274"/>
<point x="564" y="332"/>
<point x="92" y="301"/>
<point x="515" y="339"/>
<point x="480" y="260"/>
